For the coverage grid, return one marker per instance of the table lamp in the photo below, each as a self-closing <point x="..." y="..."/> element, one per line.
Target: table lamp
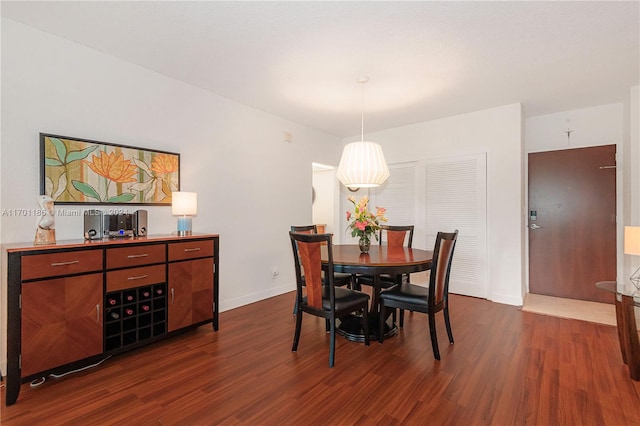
<point x="184" y="205"/>
<point x="632" y="246"/>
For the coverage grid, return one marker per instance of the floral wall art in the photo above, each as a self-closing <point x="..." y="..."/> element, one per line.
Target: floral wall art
<point x="77" y="171"/>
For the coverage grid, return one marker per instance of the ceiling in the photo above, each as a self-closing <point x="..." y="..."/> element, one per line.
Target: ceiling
<point x="425" y="60"/>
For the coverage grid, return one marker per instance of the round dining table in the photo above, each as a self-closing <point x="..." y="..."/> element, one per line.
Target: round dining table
<point x="381" y="259"/>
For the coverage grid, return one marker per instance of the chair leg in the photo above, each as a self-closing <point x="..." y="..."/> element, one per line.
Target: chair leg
<point x="327" y="326"/>
<point x="365" y="325"/>
<point x="332" y="342"/>
<point x="381" y="322"/>
<point x="296" y="335"/>
<point x="295" y="306"/>
<point x="434" y="337"/>
<point x="401" y="318"/>
<point x="448" y="324"/>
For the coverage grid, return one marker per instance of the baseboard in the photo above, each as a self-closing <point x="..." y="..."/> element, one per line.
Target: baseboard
<point x="255" y="297"/>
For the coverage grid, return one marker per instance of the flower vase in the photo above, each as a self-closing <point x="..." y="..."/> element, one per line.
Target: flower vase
<point x="364" y="244"/>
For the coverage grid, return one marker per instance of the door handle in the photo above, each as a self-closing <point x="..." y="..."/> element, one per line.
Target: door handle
<point x="535" y="226"/>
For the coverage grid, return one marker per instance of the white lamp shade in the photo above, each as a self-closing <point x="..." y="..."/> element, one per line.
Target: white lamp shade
<point x="362" y="165"/>
<point x="632" y="240"/>
<point x="184" y="203"/>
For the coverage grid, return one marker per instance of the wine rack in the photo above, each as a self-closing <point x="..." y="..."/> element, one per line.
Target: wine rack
<point x="134" y="315"/>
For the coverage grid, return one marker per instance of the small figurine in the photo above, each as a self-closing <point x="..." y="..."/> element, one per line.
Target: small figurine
<point x="46" y="233"/>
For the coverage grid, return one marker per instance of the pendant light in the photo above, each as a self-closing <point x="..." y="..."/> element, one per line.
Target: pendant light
<point x="362" y="164"/>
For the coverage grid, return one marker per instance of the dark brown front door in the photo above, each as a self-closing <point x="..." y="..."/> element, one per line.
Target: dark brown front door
<point x="572" y="222"/>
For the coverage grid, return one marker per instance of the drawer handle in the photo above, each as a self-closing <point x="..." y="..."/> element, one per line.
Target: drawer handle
<point x="134" y="256"/>
<point x="137" y="278"/>
<point x="192" y="249"/>
<point x="98" y="313"/>
<point x="65" y="263"/>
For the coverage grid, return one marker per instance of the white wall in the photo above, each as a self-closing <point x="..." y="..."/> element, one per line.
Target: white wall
<point x="601" y="125"/>
<point x="498" y="132"/>
<point x="251" y="185"/>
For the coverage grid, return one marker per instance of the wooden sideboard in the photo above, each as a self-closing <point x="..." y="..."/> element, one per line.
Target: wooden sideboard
<point x="77" y="302"/>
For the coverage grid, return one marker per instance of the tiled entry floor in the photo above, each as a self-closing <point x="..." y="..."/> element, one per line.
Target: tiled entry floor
<point x="602" y="313"/>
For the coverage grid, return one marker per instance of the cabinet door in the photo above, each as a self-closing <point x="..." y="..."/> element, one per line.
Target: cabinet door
<point x="61" y="321"/>
<point x="190" y="292"/>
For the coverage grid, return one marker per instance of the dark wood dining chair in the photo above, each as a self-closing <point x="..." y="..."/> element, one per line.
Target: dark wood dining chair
<point x="340" y="278"/>
<point x="392" y="236"/>
<point x="428" y="300"/>
<point x="323" y="298"/>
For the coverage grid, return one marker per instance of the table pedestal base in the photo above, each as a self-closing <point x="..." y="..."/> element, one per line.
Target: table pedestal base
<point x="350" y="327"/>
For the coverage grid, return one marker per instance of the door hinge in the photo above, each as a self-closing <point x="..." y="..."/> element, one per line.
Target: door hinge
<point x="20" y="301"/>
<point x="20" y="361"/>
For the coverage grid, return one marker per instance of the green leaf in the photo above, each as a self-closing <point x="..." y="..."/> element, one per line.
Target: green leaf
<point x="61" y="149"/>
<point x="122" y="198"/>
<point x="85" y="189"/>
<point x="52" y="162"/>
<point x="80" y="155"/>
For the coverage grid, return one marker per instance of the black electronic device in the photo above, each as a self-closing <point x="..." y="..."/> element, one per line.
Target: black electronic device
<point x="118" y="225"/>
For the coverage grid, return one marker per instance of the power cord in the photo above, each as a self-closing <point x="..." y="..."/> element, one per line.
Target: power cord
<point x="37" y="382"/>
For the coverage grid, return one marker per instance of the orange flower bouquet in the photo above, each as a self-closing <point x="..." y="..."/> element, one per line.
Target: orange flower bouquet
<point x="363" y="223"/>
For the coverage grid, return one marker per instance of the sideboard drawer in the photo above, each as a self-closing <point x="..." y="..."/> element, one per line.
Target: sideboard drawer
<point x="135" y="277"/>
<point x="190" y="250"/>
<point x="136" y="255"/>
<point x="61" y="263"/>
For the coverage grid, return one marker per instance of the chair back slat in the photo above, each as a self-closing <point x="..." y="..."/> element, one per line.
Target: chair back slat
<point x="396" y="235"/>
<point x="442" y="257"/>
<point x="305" y="229"/>
<point x="312" y="265"/>
<point x="396" y="238"/>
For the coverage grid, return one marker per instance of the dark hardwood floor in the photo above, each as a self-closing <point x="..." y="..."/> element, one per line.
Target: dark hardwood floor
<point x="507" y="367"/>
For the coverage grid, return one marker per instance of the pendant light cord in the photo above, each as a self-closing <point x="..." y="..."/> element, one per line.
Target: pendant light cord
<point x="363" y="82"/>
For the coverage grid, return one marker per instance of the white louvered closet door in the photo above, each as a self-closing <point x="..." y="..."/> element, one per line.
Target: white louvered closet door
<point x="443" y="194"/>
<point x="455" y="198"/>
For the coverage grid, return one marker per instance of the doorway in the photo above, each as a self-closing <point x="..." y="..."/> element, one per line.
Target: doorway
<point x="572" y="222"/>
<point x="323" y="203"/>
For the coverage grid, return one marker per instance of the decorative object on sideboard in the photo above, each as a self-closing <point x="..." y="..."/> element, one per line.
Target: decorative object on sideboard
<point x="78" y="171"/>
<point x="184" y="205"/>
<point x="93" y="225"/>
<point x="632" y="247"/>
<point x="140" y="223"/>
<point x="46" y="232"/>
<point x="362" y="164"/>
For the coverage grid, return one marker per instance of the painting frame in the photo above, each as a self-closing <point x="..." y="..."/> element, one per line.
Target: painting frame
<point x="84" y="171"/>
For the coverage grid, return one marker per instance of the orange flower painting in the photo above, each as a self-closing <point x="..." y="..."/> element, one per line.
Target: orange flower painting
<point x="84" y="171"/>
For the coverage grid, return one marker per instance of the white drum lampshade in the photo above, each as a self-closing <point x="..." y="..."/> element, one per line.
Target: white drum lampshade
<point x="184" y="205"/>
<point x="362" y="165"/>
